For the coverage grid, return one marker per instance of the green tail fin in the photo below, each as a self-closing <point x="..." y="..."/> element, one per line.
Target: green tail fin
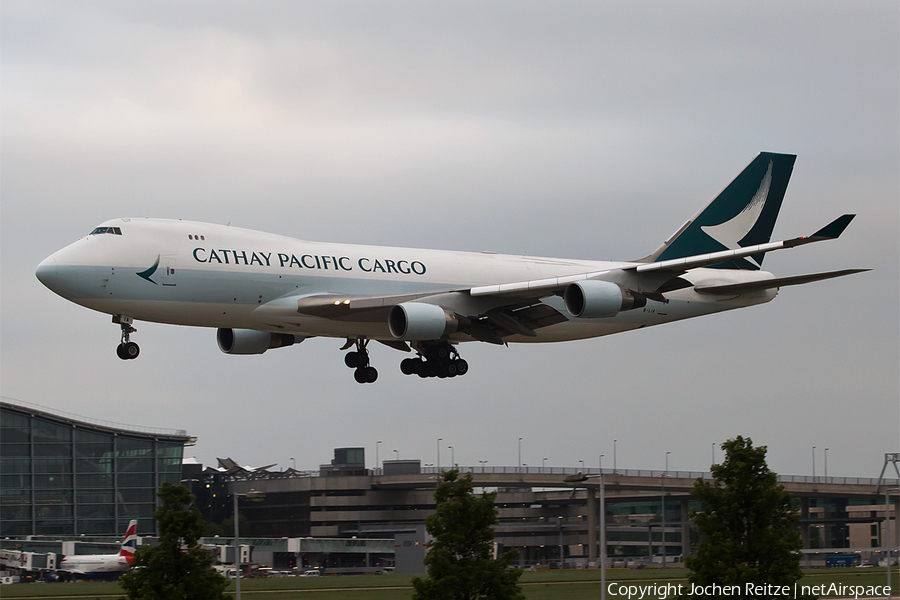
<point x="743" y="214"/>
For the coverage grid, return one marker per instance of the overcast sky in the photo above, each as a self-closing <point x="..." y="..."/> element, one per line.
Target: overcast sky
<point x="569" y="129"/>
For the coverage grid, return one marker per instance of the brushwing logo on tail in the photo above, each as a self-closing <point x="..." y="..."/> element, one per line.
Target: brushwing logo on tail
<point x="730" y="232"/>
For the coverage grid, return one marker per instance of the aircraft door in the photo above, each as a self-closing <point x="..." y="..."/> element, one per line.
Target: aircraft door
<point x="167" y="270"/>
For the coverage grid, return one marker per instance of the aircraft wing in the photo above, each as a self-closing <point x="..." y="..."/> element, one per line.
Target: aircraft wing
<point x="648" y="277"/>
<point x="349" y="307"/>
<point x="486" y="319"/>
<point x="767" y="284"/>
<point x="490" y="313"/>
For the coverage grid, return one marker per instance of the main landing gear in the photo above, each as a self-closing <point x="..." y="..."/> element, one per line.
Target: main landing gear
<point x="437" y="360"/>
<point x="127" y="350"/>
<point x="359" y="360"/>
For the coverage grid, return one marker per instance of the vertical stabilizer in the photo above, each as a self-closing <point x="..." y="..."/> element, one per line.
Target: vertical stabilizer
<point x="129" y="544"/>
<point x="743" y="214"/>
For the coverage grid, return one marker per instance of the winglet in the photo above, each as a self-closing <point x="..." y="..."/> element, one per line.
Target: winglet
<point x="834" y="229"/>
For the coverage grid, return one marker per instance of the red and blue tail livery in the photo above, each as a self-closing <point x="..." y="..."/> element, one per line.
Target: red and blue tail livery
<point x="102" y="566"/>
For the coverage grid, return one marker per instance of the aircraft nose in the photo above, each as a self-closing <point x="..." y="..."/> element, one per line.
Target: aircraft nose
<point x="46" y="272"/>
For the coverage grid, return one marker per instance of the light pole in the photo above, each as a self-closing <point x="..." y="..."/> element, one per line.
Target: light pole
<point x="602" y="535"/>
<point x="887" y="530"/>
<point x="293" y="463"/>
<point x="482" y="465"/>
<point x="713" y="453"/>
<point x="543" y="464"/>
<point x="582" y="465"/>
<point x="562" y="556"/>
<point x="396" y="455"/>
<point x="439" y="440"/>
<point x="452" y="458"/>
<point x="519" y="464"/>
<point x="826" y="465"/>
<point x="663" y="486"/>
<point x="814" y="463"/>
<point x="583" y="477"/>
<point x="256" y="496"/>
<point x="615" y="471"/>
<point x="377" y="466"/>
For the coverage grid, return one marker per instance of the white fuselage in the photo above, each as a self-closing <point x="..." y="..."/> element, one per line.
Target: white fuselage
<point x="218" y="276"/>
<point x="94" y="564"/>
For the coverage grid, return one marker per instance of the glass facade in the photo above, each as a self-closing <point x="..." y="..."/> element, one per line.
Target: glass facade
<point x="64" y="477"/>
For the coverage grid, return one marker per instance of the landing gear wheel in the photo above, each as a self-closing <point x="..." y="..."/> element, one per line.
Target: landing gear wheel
<point x="365" y="375"/>
<point x="406" y="366"/>
<point x="132" y="350"/>
<point x="351" y="359"/>
<point x="436" y="359"/>
<point x="359" y="360"/>
<point x="128" y="351"/>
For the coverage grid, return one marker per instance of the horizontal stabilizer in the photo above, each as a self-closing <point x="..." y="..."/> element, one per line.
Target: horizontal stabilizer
<point x="832" y="231"/>
<point x="681" y="265"/>
<point x="767" y="284"/>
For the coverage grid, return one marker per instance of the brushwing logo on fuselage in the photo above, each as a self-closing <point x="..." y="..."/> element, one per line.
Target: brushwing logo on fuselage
<point x="149" y="272"/>
<point x="732" y="231"/>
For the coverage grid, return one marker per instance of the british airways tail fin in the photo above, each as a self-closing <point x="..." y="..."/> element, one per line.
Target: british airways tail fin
<point x="742" y="215"/>
<point x="129" y="544"/>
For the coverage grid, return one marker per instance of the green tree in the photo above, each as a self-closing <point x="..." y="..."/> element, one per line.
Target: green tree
<point x="748" y="526"/>
<point x="178" y="568"/>
<point x="460" y="561"/>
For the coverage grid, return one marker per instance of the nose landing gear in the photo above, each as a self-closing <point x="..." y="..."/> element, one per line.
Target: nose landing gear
<point x="127" y="350"/>
<point x="359" y="360"/>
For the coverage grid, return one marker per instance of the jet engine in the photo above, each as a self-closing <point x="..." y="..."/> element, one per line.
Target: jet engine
<point x="597" y="299"/>
<point x="251" y="341"/>
<point x="418" y="321"/>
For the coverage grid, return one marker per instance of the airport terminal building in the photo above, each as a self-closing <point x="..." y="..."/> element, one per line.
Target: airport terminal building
<point x="542" y="512"/>
<point x="65" y="475"/>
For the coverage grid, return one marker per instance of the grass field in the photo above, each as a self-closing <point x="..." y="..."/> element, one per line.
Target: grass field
<point x="542" y="585"/>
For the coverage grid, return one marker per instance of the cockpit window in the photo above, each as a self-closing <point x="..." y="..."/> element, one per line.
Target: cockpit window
<point x="112" y="230"/>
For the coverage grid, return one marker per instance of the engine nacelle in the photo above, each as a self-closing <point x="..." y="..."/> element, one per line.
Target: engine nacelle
<point x="251" y="341"/>
<point x="417" y="321"/>
<point x="598" y="299"/>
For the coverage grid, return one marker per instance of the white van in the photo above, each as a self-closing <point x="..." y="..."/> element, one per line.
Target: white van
<point x="310" y="573"/>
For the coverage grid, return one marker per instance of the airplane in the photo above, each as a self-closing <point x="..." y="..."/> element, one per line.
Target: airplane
<point x="97" y="566"/>
<point x="263" y="291"/>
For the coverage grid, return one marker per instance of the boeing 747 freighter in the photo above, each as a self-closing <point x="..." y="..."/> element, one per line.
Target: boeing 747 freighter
<point x="264" y="291"/>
